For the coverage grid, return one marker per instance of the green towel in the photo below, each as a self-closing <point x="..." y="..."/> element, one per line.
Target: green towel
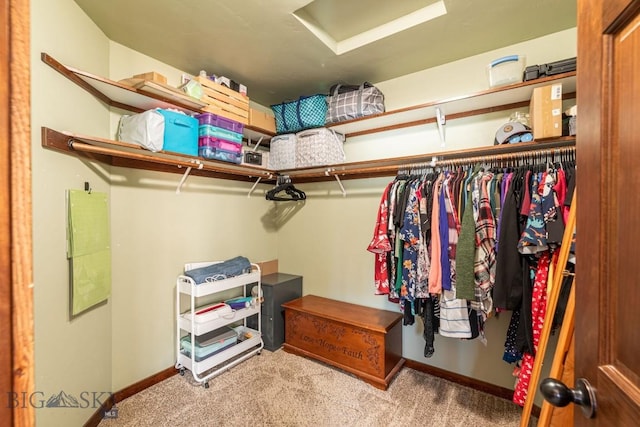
<point x="88" y="248"/>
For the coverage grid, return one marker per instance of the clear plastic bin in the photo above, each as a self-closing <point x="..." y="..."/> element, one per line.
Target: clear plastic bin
<point x="221" y="122"/>
<point x="506" y="70"/>
<point x="219" y="144"/>
<point x="218" y="132"/>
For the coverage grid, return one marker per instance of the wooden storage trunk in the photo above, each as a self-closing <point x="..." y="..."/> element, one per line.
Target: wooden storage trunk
<point x="223" y="101"/>
<point x="364" y="341"/>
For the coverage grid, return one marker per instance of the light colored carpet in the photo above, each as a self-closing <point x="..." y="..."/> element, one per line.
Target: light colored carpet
<point x="282" y="389"/>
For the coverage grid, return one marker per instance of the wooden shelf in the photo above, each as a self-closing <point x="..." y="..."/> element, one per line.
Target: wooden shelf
<point x="118" y="95"/>
<point x="501" y="98"/>
<point x="121" y="154"/>
<point x="390" y="166"/>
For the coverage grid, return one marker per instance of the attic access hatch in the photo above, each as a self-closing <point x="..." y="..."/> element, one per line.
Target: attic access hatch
<point x="333" y="21"/>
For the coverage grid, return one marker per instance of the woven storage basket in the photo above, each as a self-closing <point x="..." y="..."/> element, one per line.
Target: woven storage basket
<point x="282" y="154"/>
<point x="319" y="147"/>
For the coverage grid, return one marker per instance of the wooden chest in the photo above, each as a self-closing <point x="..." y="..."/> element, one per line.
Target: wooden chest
<point x="364" y="341"/>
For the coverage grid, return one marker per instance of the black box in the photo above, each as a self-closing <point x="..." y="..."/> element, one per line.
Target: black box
<point x="253" y="158"/>
<point x="277" y="289"/>
<point x="552" y="68"/>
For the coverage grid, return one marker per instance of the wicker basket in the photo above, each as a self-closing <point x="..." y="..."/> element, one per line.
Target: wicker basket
<point x="282" y="153"/>
<point x="319" y="147"/>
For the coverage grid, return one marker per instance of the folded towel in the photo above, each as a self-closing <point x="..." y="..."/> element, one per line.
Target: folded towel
<point x="219" y="271"/>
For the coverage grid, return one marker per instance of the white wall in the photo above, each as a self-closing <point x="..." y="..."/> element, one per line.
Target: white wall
<point x="326" y="240"/>
<point x="71" y="355"/>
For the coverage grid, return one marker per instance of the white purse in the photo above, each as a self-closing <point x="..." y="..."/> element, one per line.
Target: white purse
<point x="145" y="129"/>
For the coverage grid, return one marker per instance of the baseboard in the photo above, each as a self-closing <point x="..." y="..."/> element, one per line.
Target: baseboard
<point x="470" y="382"/>
<point x="474" y="383"/>
<point x="129" y="391"/>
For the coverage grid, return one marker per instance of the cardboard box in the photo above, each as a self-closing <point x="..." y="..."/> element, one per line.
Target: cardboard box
<point x="262" y="120"/>
<point x="153" y="76"/>
<point x="545" y="111"/>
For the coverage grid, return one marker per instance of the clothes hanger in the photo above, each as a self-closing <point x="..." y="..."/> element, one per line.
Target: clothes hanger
<point x="285" y="191"/>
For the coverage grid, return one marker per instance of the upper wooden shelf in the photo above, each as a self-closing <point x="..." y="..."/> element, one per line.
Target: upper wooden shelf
<point x="119" y="95"/>
<point x="500" y="98"/>
<point x="117" y="153"/>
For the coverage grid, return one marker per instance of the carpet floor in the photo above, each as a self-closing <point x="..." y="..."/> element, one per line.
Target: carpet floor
<point x="282" y="389"/>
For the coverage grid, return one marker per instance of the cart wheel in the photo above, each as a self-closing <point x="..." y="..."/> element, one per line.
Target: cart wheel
<point x="182" y="372"/>
<point x="206" y="385"/>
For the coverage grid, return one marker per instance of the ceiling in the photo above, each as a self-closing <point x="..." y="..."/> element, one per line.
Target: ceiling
<point x="282" y="49"/>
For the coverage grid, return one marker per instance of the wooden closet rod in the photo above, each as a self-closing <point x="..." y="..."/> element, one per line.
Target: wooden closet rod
<point x="389" y="167"/>
<point x="197" y="164"/>
<point x="389" y="170"/>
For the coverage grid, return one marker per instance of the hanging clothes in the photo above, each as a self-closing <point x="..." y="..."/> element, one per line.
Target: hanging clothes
<point x="510" y="268"/>
<point x="538" y="311"/>
<point x="485" y="257"/>
<point x="454" y="246"/>
<point x="381" y="246"/>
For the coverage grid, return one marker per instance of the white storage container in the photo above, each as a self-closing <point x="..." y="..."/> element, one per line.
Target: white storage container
<point x="319" y="147"/>
<point x="282" y="153"/>
<point x="506" y="70"/>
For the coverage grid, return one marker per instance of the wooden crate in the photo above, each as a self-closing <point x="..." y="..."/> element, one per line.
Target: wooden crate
<point x="364" y="341"/>
<point x="223" y="101"/>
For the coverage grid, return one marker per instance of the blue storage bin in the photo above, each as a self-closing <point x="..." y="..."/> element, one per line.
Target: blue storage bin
<point x="180" y="133"/>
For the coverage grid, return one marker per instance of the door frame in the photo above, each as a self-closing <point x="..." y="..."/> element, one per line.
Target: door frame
<point x="16" y="264"/>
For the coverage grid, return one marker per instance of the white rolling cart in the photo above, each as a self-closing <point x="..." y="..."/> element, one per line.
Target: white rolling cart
<point x="250" y="342"/>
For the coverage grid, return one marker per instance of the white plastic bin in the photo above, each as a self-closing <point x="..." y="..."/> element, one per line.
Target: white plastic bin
<point x="506" y="70"/>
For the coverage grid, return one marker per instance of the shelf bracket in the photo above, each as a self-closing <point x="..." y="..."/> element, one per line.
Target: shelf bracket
<point x="344" y="192"/>
<point x="258" y="143"/>
<point x="442" y="121"/>
<point x="185" y="175"/>
<point x="255" y="184"/>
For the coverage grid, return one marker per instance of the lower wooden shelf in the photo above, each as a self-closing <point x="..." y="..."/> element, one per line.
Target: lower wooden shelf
<point x="122" y="154"/>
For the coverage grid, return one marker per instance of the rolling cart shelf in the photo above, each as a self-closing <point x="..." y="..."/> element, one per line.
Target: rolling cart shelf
<point x="187" y="286"/>
<point x="223" y="356"/>
<point x="229" y="356"/>
<point x="204" y="327"/>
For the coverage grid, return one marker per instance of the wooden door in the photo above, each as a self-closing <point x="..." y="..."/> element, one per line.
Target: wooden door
<point x="607" y="347"/>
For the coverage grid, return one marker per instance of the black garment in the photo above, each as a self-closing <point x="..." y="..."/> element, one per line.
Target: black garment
<point x="475" y="321"/>
<point x="563" y="299"/>
<point x="425" y="308"/>
<point x="408" y="319"/>
<point x="507" y="291"/>
<point x="524" y="335"/>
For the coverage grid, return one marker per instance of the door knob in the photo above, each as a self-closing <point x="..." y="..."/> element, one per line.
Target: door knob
<point x="558" y="394"/>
